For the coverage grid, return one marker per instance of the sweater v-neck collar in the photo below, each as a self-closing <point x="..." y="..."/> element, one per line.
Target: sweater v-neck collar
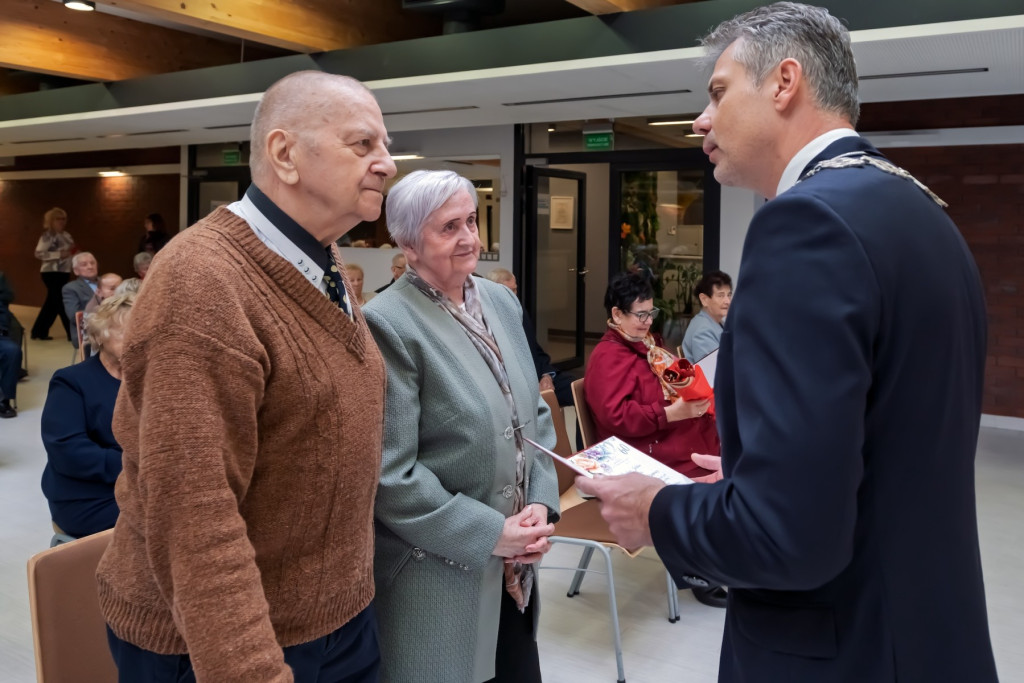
<point x="316" y="304"/>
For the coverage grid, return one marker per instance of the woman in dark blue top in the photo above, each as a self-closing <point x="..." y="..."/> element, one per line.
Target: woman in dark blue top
<point x="83" y="458"/>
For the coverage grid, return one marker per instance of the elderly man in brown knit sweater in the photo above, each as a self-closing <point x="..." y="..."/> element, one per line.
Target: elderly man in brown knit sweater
<point x="251" y="419"/>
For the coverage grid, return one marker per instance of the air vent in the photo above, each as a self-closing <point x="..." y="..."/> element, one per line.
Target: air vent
<point x="912" y="74"/>
<point x="156" y="132"/>
<point x="595" y="98"/>
<point x="34" y="142"/>
<point x="429" y="111"/>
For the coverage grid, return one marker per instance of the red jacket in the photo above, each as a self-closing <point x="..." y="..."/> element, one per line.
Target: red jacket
<point x="626" y="400"/>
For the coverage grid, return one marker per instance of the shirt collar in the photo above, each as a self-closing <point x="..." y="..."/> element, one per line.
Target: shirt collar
<point x="295" y="233"/>
<point x="308" y="263"/>
<point x="796" y="165"/>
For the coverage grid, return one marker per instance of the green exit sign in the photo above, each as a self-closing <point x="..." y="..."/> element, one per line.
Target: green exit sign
<point x="232" y="157"/>
<point x="598" y="140"/>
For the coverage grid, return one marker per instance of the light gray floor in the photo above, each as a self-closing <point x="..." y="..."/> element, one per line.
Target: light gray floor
<point x="575" y="636"/>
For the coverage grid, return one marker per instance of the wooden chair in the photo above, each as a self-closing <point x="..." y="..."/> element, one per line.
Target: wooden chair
<point x="581" y="524"/>
<point x="583" y="417"/>
<point x="80" y="330"/>
<point x="67" y="627"/>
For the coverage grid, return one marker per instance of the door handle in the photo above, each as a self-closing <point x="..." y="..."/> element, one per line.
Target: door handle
<point x="584" y="271"/>
<point x="572" y="270"/>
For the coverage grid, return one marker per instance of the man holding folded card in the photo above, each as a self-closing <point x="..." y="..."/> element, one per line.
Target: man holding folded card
<point x="845" y="525"/>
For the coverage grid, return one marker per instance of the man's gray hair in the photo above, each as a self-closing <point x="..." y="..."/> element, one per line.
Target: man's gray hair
<point x="415" y="197"/>
<point x="767" y="35"/>
<point x="143" y="257"/>
<point x="396" y="258"/>
<point x="77" y="258"/>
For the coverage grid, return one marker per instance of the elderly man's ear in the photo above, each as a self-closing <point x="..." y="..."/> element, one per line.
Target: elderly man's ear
<point x="281" y="148"/>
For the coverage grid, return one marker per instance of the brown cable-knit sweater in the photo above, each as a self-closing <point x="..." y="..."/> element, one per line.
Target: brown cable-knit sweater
<point x="251" y="420"/>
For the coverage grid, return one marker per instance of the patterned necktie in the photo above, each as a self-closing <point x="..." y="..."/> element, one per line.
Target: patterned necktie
<point x="335" y="286"/>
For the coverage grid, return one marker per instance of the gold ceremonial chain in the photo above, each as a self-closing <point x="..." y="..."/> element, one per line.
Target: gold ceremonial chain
<point x="859" y="159"/>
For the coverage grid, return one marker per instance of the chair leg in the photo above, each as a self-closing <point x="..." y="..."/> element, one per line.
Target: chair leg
<point x="613" y="608"/>
<point x="577" y="579"/>
<point x="673" y="598"/>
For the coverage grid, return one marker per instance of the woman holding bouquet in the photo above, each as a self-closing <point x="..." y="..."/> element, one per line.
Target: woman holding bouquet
<point x="630" y="397"/>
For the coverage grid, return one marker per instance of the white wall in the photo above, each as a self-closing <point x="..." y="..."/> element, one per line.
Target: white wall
<point x="738" y="206"/>
<point x="442" y="145"/>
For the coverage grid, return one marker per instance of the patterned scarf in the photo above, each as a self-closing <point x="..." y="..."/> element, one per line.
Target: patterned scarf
<point x="661" y="362"/>
<point x="518" y="577"/>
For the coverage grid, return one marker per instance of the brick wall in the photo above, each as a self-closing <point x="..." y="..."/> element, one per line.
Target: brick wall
<point x="984" y="187"/>
<point x="104" y="216"/>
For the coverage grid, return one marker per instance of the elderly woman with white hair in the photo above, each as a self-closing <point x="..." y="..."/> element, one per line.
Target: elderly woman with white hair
<point x="82" y="457"/>
<point x="464" y="507"/>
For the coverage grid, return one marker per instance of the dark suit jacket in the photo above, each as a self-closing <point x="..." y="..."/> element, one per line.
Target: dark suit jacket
<point x="542" y="362"/>
<point x="76" y="295"/>
<point x="83" y="458"/>
<point x="848" y="396"/>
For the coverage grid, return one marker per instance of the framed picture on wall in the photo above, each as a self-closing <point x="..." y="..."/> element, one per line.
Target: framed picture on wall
<point x="562" y="213"/>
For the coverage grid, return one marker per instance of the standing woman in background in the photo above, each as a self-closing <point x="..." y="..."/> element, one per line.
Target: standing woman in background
<point x="54" y="249"/>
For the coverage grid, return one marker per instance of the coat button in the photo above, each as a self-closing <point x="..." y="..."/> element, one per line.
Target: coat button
<point x="418" y="554"/>
<point x="507" y="491"/>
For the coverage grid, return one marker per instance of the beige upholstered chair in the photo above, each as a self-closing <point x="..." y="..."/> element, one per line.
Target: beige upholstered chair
<point x="67" y="627"/>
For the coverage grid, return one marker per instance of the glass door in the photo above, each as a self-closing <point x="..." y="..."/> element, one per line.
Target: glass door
<point x="554" y="263"/>
<point x="661" y="219"/>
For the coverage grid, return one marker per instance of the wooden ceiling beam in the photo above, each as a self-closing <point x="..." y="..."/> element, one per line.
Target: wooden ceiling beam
<point x="613" y="6"/>
<point x="46" y="37"/>
<point x="306" y="26"/>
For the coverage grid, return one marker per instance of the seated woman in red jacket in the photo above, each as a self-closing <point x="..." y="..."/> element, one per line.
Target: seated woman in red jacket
<point x="626" y="397"/>
<point x="627" y="400"/>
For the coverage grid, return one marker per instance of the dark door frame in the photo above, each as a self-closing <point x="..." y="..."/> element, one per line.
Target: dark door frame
<point x="529" y="262"/>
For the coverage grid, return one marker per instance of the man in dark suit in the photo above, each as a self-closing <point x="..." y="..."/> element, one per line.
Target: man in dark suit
<point x="848" y="390"/>
<point x="78" y="292"/>
<point x="397" y="270"/>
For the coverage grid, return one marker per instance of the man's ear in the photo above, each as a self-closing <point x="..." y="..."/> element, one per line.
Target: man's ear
<point x="281" y="147"/>
<point x="787" y="83"/>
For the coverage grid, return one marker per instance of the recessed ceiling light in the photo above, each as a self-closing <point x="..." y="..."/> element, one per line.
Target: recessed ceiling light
<point x="405" y="157"/>
<point x="112" y="174"/>
<point x="669" y="123"/>
<point x="80" y="5"/>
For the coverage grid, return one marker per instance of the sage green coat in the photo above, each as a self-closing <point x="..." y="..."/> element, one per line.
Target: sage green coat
<point x="447" y="469"/>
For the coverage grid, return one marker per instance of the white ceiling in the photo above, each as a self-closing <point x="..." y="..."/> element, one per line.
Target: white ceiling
<point x="487" y="97"/>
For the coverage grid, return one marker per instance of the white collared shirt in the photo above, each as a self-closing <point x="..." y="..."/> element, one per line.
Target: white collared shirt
<point x="812" y="149"/>
<point x="278" y="243"/>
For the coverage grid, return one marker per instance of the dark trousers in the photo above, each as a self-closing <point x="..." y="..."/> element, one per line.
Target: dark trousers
<point x="53" y="307"/>
<point x="516" y="660"/>
<point x="10" y="364"/>
<point x="348" y="655"/>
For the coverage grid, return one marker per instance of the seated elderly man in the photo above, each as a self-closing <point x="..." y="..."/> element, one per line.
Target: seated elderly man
<point x="78" y="292"/>
<point x="108" y="283"/>
<point x="141" y="263"/>
<point x="398" y="264"/>
<point x="705" y="330"/>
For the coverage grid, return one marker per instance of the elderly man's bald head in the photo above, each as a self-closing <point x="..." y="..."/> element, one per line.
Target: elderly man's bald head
<point x="297" y="103"/>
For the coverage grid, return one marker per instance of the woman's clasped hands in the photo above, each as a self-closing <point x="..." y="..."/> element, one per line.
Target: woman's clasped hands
<point x="524" y="537"/>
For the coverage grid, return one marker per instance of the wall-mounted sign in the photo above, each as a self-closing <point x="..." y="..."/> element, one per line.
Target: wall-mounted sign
<point x="231" y="157"/>
<point x="597" y="141"/>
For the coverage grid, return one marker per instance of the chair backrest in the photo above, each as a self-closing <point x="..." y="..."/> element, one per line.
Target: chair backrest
<point x="566" y="477"/>
<point x="67" y="626"/>
<point x="80" y="329"/>
<point x="583" y="417"/>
